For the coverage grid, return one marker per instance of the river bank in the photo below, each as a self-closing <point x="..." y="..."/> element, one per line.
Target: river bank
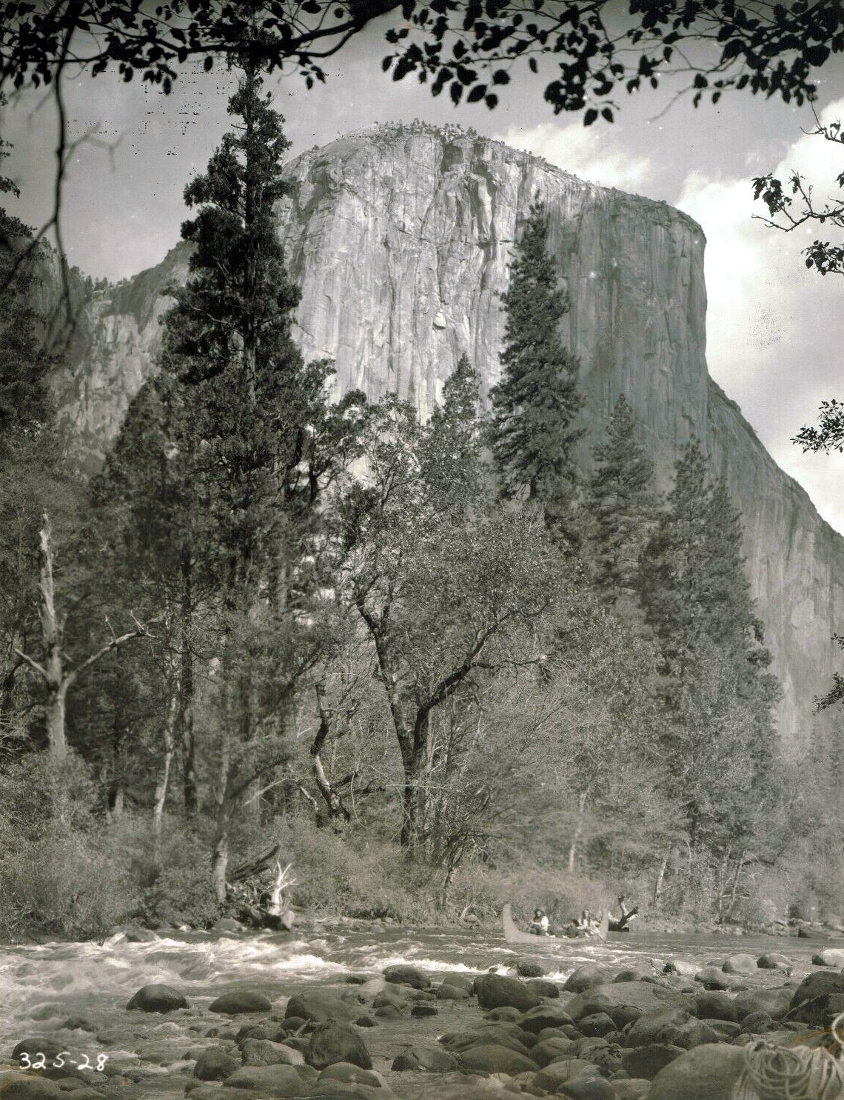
<point x="75" y="997"/>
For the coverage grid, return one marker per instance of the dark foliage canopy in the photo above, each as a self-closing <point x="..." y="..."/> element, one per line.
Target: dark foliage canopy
<point x="473" y="48"/>
<point x="535" y="405"/>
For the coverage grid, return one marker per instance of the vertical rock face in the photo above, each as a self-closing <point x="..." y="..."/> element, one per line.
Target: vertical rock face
<point x="400" y="239"/>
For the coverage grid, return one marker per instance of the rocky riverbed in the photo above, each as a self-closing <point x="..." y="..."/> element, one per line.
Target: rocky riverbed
<point x="373" y="1016"/>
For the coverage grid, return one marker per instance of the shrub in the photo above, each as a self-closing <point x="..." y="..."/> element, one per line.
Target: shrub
<point x="63" y="884"/>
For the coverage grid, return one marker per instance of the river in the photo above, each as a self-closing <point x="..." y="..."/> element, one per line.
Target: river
<point x="42" y="985"/>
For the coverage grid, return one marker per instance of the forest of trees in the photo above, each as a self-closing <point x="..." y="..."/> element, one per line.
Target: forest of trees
<point x="434" y="662"/>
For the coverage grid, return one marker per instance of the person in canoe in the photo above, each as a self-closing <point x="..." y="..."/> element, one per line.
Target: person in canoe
<point x="540" y="925"/>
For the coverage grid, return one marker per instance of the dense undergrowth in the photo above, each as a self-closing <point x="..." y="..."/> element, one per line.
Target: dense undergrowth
<point x="69" y="871"/>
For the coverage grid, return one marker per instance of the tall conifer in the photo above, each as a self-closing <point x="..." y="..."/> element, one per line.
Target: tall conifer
<point x="621" y="502"/>
<point x="536" y="403"/>
<point x="263" y="441"/>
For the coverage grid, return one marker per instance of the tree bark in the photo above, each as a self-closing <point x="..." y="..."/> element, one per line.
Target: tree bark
<point x="220" y="854"/>
<point x="56" y="679"/>
<point x="185" y="718"/>
<point x="659" y="878"/>
<point x="51" y="644"/>
<point x="164" y="778"/>
<point x="578" y="832"/>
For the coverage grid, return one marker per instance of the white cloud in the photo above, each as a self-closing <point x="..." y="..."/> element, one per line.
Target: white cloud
<point x="588" y="152"/>
<point x="775" y="329"/>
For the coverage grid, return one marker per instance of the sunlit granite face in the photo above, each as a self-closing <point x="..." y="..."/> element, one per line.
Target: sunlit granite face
<point x="400" y="238"/>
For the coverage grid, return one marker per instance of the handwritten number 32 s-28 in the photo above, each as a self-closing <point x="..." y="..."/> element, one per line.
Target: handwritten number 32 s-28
<point x="41" y="1061"/>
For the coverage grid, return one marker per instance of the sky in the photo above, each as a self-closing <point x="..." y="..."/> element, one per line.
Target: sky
<point x="774" y="329"/>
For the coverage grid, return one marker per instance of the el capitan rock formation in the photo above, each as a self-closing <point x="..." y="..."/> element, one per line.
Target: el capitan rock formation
<point x="400" y="239"/>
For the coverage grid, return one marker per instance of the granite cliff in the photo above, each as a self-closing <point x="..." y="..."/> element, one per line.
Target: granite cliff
<point x="400" y="237"/>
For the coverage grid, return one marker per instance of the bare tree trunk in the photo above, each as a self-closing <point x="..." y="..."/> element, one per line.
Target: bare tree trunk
<point x="186" y="690"/>
<point x="736" y="876"/>
<point x="660" y="877"/>
<point x="164" y="778"/>
<point x="57" y="681"/>
<point x="578" y="832"/>
<point x="51" y="643"/>
<point x="220" y="858"/>
<point x="332" y="800"/>
<point x="220" y="855"/>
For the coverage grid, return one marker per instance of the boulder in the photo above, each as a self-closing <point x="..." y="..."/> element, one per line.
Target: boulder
<point x="815" y="985"/>
<point x="505" y="1035"/>
<point x="588" y="1088"/>
<point x="651" y="1026"/>
<point x="552" y="1049"/>
<point x="264" y="1052"/>
<point x="505" y="1014"/>
<point x="420" y="1011"/>
<point x="775" y="1002"/>
<point x="495" y="991"/>
<point x="631" y="975"/>
<point x="559" y="1073"/>
<point x="757" y="1023"/>
<point x="272" y="1080"/>
<point x="448" y="992"/>
<point x="349" y="1074"/>
<point x="712" y="977"/>
<point x="389" y="1012"/>
<point x="215" y="1064"/>
<point x="604" y="1053"/>
<point x="365" y="1021"/>
<point x="537" y="1019"/>
<point x="531" y="968"/>
<point x="820" y="1011"/>
<point x="319" y="1007"/>
<point x="642" y="995"/>
<point x="78" y="1023"/>
<point x="333" y="1042"/>
<point x="407" y="975"/>
<point x="726" y="1030"/>
<point x="15" y="1085"/>
<point x="715" y="1005"/>
<point x="596" y="1026"/>
<point x="270" y="1031"/>
<point x="38" y="1044"/>
<point x="492" y="1058"/>
<point x="830" y="956"/>
<point x="647" y="1061"/>
<point x="739" y="964"/>
<point x="229" y="924"/>
<point x="389" y="997"/>
<point x="693" y="1033"/>
<point x="773" y="961"/>
<point x="686" y="968"/>
<point x="157" y="998"/>
<point x="622" y="1015"/>
<point x="425" y="1060"/>
<point x="705" y="1073"/>
<point x="585" y="977"/>
<point x="543" y="988"/>
<point x="240" y="1001"/>
<point x="631" y="1088"/>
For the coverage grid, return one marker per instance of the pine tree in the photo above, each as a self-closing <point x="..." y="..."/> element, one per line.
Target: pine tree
<point x="621" y="502"/>
<point x="263" y="445"/>
<point x="451" y="452"/>
<point x="536" y="403"/>
<point x="673" y="572"/>
<point x="717" y="697"/>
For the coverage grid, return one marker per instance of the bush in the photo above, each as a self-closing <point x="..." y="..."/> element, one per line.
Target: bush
<point x="64" y="884"/>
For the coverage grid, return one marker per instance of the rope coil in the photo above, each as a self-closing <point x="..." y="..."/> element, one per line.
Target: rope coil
<point x="773" y="1072"/>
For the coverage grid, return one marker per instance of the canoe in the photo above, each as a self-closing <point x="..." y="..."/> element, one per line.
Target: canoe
<point x="514" y="934"/>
